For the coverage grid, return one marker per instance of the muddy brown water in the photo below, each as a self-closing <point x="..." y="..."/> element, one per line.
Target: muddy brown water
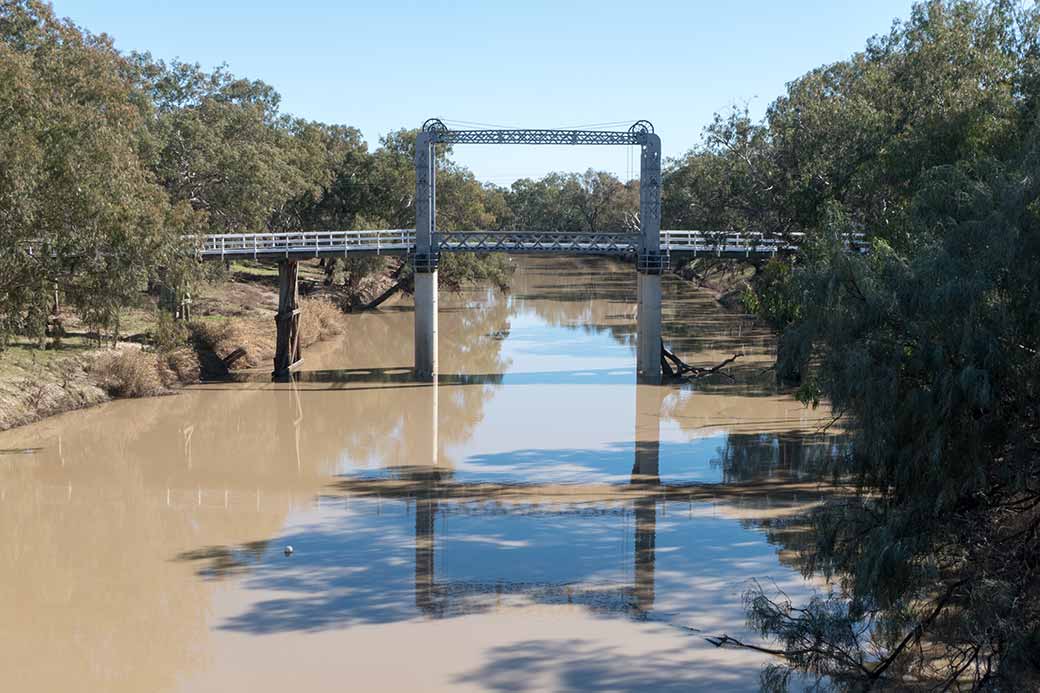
<point x="534" y="521"/>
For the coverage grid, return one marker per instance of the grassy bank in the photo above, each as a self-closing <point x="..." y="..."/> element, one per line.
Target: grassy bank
<point x="155" y="355"/>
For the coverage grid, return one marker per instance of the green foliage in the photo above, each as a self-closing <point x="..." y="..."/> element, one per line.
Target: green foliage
<point x="74" y="183"/>
<point x="110" y="160"/>
<point x="773" y="296"/>
<point x="928" y="141"/>
<point x="494" y="269"/>
<point x="592" y="201"/>
<point x="170" y="334"/>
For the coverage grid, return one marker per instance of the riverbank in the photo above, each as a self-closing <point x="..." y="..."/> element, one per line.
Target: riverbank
<point x="726" y="281"/>
<point x="232" y="328"/>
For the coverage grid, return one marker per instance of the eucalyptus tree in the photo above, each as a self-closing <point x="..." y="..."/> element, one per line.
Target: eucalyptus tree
<point x="73" y="183"/>
<point x="590" y="201"/>
<point x="223" y="147"/>
<point x="928" y="142"/>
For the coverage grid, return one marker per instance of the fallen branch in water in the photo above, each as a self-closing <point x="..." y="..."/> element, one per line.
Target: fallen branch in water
<point x="394" y="288"/>
<point x="684" y="370"/>
<point x="724" y="640"/>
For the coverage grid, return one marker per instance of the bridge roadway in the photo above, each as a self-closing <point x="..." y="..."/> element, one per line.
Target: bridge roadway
<point x="303" y="245"/>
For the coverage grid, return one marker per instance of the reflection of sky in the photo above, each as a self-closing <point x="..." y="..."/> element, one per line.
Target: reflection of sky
<point x="535" y="346"/>
<point x="679" y="462"/>
<point x="565" y="413"/>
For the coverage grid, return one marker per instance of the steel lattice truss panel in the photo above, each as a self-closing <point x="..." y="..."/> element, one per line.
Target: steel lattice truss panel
<point x="638" y="133"/>
<point x="565" y="243"/>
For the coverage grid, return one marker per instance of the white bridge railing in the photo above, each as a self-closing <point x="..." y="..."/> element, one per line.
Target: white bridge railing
<point x="402" y="241"/>
<point x="302" y="243"/>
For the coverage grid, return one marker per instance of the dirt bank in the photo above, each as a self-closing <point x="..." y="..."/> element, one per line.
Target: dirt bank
<point x="156" y="356"/>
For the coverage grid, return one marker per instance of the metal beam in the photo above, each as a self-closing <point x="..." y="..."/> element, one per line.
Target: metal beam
<point x="638" y="133"/>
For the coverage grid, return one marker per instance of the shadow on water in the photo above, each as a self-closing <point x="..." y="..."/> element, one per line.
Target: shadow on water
<point x="420" y="540"/>
<point x="400" y="541"/>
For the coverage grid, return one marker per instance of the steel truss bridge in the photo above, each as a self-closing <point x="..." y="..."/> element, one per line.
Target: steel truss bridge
<point x="401" y="242"/>
<point x="650" y="247"/>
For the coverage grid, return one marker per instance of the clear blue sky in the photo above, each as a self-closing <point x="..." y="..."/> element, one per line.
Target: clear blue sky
<point x="390" y="64"/>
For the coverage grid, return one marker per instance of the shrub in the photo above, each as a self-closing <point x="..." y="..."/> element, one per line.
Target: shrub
<point x="170" y="334"/>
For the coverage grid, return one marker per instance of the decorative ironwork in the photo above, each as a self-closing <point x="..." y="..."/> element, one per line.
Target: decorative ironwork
<point x="434" y="125"/>
<point x="643" y="126"/>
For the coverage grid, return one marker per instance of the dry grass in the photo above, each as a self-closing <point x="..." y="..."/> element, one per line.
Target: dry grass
<point x="319" y="320"/>
<point x="31" y="389"/>
<point x="180" y="366"/>
<point x="128" y="372"/>
<point x="222" y="337"/>
<point x="35" y="384"/>
<point x="38" y="384"/>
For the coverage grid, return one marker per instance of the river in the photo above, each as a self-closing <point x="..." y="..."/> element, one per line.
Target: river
<point x="534" y="521"/>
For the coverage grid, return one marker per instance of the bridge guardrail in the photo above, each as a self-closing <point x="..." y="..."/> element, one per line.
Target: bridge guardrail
<point x="747" y="243"/>
<point x="402" y="242"/>
<point x="314" y="243"/>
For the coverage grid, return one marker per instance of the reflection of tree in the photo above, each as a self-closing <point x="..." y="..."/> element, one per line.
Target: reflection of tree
<point x="790" y="455"/>
<point x="766" y="458"/>
<point x="599" y="295"/>
<point x="590" y="294"/>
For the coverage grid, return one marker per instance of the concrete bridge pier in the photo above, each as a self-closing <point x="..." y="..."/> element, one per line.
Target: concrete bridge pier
<point x="648" y="328"/>
<point x="426" y="324"/>
<point x="287" y="345"/>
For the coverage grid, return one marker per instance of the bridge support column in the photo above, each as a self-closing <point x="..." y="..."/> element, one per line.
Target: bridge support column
<point x="425" y="258"/>
<point x="648" y="328"/>
<point x="650" y="263"/>
<point x="287" y="346"/>
<point x="425" y="324"/>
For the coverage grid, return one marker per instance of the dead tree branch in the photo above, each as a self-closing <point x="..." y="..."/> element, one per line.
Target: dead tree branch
<point x="674" y="367"/>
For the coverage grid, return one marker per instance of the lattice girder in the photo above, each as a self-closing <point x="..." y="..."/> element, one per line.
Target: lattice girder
<point x="537" y="242"/>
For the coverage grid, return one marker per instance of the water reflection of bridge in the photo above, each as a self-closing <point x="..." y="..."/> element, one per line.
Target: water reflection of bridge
<point x="438" y="492"/>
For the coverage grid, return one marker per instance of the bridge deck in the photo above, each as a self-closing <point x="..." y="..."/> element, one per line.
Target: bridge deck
<point x="402" y="242"/>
